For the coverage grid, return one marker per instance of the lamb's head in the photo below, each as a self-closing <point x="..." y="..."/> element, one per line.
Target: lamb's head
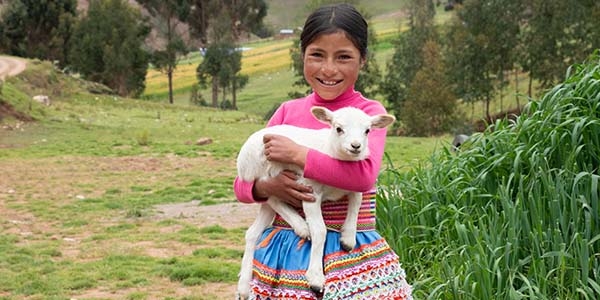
<point x="350" y="130"/>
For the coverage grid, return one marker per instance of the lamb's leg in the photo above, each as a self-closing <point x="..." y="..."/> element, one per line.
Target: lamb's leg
<point x="318" y="231"/>
<point x="348" y="236"/>
<point x="263" y="220"/>
<point x="291" y="216"/>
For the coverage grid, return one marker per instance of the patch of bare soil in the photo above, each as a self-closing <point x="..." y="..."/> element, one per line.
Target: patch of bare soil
<point x="7" y="110"/>
<point x="226" y="215"/>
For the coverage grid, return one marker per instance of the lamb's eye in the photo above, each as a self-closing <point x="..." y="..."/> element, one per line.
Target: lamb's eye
<point x="367" y="131"/>
<point x="339" y="130"/>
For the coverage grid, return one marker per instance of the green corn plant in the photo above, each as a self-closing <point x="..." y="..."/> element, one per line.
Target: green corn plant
<point x="514" y="213"/>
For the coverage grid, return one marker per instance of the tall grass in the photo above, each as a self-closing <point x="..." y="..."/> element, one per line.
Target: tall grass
<point x="513" y="214"/>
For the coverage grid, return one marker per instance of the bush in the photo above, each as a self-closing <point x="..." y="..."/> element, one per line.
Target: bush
<point x="515" y="213"/>
<point x="143" y="138"/>
<point x="196" y="98"/>
<point x="226" y="104"/>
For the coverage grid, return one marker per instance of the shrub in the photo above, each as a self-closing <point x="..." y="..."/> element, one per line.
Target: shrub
<point x="196" y="98"/>
<point x="143" y="138"/>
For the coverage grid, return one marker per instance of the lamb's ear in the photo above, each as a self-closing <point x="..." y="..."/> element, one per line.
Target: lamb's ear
<point x="322" y="114"/>
<point x="382" y="120"/>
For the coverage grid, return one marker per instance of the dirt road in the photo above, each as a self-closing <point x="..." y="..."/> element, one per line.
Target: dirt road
<point x="11" y="66"/>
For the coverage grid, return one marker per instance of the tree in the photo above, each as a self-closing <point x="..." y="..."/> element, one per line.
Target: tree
<point x="168" y="16"/>
<point x="209" y="69"/>
<point x="229" y="78"/>
<point x="408" y="58"/>
<point x="239" y="82"/>
<point x="504" y="27"/>
<point x="221" y="65"/>
<point x="471" y="51"/>
<point x="490" y="37"/>
<point x="227" y="21"/>
<point x="369" y="77"/>
<point x="166" y="61"/>
<point x="199" y="19"/>
<point x="246" y="16"/>
<point x="298" y="69"/>
<point x="241" y="16"/>
<point x="38" y="29"/>
<point x="430" y="105"/>
<point x="107" y="46"/>
<point x="558" y="33"/>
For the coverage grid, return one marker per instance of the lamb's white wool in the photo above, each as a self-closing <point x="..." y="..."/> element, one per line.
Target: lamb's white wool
<point x="346" y="139"/>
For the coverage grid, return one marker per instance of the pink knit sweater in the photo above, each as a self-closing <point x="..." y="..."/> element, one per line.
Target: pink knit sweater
<point x="359" y="176"/>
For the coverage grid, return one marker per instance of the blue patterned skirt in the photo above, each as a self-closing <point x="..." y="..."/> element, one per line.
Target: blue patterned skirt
<point x="370" y="271"/>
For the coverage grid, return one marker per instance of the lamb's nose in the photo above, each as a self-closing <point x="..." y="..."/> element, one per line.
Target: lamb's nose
<point x="355" y="145"/>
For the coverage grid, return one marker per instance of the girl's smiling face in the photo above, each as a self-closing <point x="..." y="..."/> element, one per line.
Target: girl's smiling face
<point x="331" y="64"/>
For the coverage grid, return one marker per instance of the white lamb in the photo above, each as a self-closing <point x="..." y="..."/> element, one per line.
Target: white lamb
<point x="345" y="140"/>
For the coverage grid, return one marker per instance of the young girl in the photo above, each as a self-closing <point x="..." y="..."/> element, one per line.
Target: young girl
<point x="334" y="48"/>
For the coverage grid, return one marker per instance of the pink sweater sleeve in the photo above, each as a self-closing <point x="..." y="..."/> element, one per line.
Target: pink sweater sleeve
<point x="243" y="190"/>
<point x="358" y="176"/>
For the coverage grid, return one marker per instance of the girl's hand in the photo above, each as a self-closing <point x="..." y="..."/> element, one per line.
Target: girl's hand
<point x="285" y="187"/>
<point x="282" y="149"/>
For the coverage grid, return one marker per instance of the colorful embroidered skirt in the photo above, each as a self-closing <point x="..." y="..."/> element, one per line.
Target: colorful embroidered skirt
<point x="370" y="271"/>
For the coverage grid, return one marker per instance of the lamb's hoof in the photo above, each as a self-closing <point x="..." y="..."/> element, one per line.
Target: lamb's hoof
<point x="348" y="244"/>
<point x="316" y="281"/>
<point x="347" y="248"/>
<point x="242" y="294"/>
<point x="243" y="288"/>
<point x="317" y="290"/>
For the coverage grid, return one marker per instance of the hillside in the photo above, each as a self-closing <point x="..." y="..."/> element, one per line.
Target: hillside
<point x="281" y="14"/>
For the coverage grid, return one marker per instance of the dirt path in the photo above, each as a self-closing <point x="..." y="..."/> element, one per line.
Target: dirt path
<point x="226" y="215"/>
<point x="11" y="66"/>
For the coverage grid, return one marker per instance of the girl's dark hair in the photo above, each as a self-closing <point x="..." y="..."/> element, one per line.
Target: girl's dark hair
<point x="335" y="18"/>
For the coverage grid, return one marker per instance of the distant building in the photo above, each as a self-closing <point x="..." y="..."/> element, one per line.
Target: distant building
<point x="285" y="33"/>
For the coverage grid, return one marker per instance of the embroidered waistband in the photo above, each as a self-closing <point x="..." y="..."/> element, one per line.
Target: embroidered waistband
<point x="334" y="214"/>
